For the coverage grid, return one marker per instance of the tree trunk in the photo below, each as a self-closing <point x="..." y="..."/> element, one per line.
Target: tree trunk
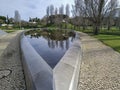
<point x="96" y="30"/>
<point x="74" y="27"/>
<point x="83" y="27"/>
<point x="65" y="25"/>
<point x="108" y="27"/>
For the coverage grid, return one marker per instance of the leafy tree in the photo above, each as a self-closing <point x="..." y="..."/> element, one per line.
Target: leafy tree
<point x="2" y="19"/>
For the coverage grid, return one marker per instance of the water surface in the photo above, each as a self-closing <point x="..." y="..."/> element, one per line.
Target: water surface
<point x="51" y="45"/>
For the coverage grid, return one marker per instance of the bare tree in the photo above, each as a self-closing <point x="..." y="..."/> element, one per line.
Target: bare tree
<point x="80" y="13"/>
<point x="51" y="13"/>
<point x="51" y="10"/>
<point x="95" y="11"/>
<point x="61" y="10"/>
<point x="61" y="13"/>
<point x="7" y="20"/>
<point x="119" y="19"/>
<point x="56" y="11"/>
<point x="67" y="10"/>
<point x="74" y="14"/>
<point x="67" y="15"/>
<point x="17" y="18"/>
<point x="111" y="15"/>
<point x="48" y="13"/>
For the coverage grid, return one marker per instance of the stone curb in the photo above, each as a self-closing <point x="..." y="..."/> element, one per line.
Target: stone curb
<point x="66" y="73"/>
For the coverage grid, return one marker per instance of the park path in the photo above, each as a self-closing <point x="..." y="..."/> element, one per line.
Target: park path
<point x="100" y="67"/>
<point x="11" y="72"/>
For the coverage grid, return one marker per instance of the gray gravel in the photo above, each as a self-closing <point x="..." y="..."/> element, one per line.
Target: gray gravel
<point x="11" y="71"/>
<point x="2" y="32"/>
<point x="100" y="68"/>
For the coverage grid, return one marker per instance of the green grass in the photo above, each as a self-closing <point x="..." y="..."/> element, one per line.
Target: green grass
<point x="108" y="37"/>
<point x="9" y="31"/>
<point x="110" y="40"/>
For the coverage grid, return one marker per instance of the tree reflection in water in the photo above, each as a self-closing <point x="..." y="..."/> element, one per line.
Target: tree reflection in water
<point x="55" y="38"/>
<point x="51" y="45"/>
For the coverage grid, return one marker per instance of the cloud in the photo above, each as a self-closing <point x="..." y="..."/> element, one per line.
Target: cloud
<point x="32" y="6"/>
<point x="29" y="8"/>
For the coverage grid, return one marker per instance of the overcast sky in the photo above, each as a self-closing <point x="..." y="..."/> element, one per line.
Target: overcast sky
<point x="29" y="8"/>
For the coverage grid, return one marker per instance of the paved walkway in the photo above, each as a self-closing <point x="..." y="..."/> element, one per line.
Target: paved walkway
<point x="11" y="72"/>
<point x="100" y="68"/>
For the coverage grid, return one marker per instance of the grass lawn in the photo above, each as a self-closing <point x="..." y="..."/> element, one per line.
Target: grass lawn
<point x="110" y="40"/>
<point x="9" y="31"/>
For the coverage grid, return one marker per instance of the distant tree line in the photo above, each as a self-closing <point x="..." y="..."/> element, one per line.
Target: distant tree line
<point x="57" y="15"/>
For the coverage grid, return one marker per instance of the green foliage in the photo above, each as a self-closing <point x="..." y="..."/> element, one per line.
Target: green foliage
<point x="9" y="31"/>
<point x="2" y="19"/>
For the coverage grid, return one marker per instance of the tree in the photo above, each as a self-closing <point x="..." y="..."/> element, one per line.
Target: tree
<point x="111" y="14"/>
<point x="56" y="11"/>
<point x="2" y="19"/>
<point x="76" y="16"/>
<point x="67" y="14"/>
<point x="119" y="19"/>
<point x="51" y="10"/>
<point x="61" y="13"/>
<point x="95" y="11"/>
<point x="61" y="10"/>
<point x="17" y="19"/>
<point x="67" y="10"/>
<point x="7" y="20"/>
<point x="51" y="13"/>
<point x="48" y="13"/>
<point x="11" y="20"/>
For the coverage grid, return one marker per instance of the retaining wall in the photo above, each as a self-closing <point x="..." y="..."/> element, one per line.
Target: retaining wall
<point x="40" y="76"/>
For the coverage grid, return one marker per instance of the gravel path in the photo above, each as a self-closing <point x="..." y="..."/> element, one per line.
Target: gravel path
<point x="2" y="33"/>
<point x="11" y="72"/>
<point x="100" y="68"/>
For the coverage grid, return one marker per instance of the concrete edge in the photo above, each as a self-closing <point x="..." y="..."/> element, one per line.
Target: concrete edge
<point x="66" y="73"/>
<point x="38" y="74"/>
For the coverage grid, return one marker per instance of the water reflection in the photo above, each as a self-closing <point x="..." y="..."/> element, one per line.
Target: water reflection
<point x="51" y="44"/>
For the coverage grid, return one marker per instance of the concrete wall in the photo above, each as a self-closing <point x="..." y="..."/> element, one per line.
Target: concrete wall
<point x="66" y="73"/>
<point x="38" y="74"/>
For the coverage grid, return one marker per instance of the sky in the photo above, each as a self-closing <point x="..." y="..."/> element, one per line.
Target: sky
<point x="29" y="8"/>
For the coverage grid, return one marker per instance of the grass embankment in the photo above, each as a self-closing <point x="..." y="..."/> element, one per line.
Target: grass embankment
<point x="109" y="37"/>
<point x="9" y="31"/>
<point x="110" y="40"/>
